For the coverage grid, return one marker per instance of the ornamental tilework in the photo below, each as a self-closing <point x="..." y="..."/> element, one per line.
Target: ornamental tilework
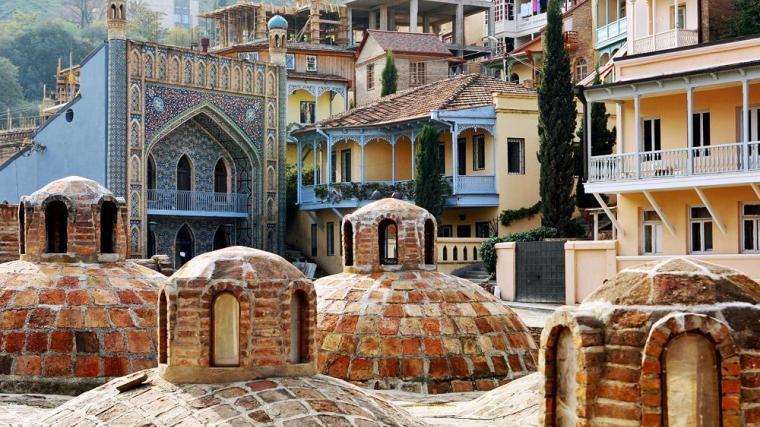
<point x="117" y="117"/>
<point x="175" y="101"/>
<point x="203" y="151"/>
<point x="203" y="229"/>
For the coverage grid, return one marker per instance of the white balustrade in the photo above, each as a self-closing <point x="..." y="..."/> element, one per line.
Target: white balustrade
<point x="459" y="250"/>
<point x="710" y="160"/>
<point x="476" y="184"/>
<point x="613" y="29"/>
<point x="665" y="40"/>
<point x="177" y="200"/>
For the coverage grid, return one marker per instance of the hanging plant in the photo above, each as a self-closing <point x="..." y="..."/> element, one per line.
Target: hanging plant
<point x="508" y="216"/>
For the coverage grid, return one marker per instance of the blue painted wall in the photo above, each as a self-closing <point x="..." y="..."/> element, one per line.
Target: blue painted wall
<point x="72" y="148"/>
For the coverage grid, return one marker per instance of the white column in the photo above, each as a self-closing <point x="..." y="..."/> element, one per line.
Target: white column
<point x="329" y="160"/>
<point x="589" y="145"/>
<point x="314" y="161"/>
<point x="384" y="18"/>
<point x="493" y="155"/>
<point x="393" y="160"/>
<point x="491" y="24"/>
<point x="675" y="21"/>
<point x="316" y="106"/>
<point x="745" y="122"/>
<point x="454" y="159"/>
<point x="373" y="19"/>
<point x="637" y="132"/>
<point x="350" y="29"/>
<point x="459" y="30"/>
<point x="619" y="125"/>
<point x="653" y="8"/>
<point x="299" y="183"/>
<point x="689" y="128"/>
<point x="607" y="12"/>
<point x="362" y="145"/>
<point x="631" y="27"/>
<point x="413" y="16"/>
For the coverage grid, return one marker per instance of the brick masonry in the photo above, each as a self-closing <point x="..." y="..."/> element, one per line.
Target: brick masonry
<point x="8" y="232"/>
<point x="622" y="330"/>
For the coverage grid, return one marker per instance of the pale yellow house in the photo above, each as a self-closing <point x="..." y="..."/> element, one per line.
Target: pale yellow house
<point x="488" y="145"/>
<point x="687" y="168"/>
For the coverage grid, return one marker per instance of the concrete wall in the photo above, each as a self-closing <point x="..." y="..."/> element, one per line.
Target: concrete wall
<point x="71" y="148"/>
<point x="587" y="265"/>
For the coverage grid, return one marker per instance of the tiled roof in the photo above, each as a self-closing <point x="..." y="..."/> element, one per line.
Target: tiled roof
<point x="315" y="76"/>
<point x="422" y="43"/>
<point x="465" y="91"/>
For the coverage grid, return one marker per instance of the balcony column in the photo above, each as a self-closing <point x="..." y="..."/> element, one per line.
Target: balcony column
<point x="384" y="18"/>
<point x="454" y="158"/>
<point x="330" y="166"/>
<point x="316" y="105"/>
<point x="300" y="171"/>
<point x="362" y="145"/>
<point x="745" y="123"/>
<point x="675" y="21"/>
<point x="393" y="159"/>
<point x="607" y="13"/>
<point x="637" y="132"/>
<point x="314" y="161"/>
<point x="690" y="129"/>
<point x="459" y="28"/>
<point x="413" y="16"/>
<point x="631" y="27"/>
<point x="619" y="125"/>
<point x="493" y="155"/>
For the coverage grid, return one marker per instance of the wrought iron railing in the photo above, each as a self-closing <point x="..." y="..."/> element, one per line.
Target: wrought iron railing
<point x="177" y="200"/>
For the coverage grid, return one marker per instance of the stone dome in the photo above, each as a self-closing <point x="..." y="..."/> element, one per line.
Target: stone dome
<point x="71" y="315"/>
<point x="404" y="325"/>
<point x="300" y="401"/>
<point x="676" y="281"/>
<point x="277" y="22"/>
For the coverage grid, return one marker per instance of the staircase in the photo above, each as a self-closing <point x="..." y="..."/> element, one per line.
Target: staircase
<point x="474" y="272"/>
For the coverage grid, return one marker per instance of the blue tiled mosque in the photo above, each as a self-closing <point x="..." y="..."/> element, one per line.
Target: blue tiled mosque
<point x="194" y="142"/>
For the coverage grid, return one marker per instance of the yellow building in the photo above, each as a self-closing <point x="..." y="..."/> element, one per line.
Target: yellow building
<point x="488" y="145"/>
<point x="687" y="168"/>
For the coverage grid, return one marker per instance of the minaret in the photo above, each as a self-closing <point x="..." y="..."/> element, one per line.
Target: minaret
<point x="278" y="39"/>
<point x="117" y="19"/>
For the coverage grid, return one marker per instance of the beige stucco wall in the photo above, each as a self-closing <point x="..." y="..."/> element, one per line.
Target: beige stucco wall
<point x="299" y="235"/>
<point x="325" y="106"/>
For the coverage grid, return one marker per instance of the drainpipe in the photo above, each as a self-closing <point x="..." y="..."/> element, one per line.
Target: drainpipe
<point x="586" y="145"/>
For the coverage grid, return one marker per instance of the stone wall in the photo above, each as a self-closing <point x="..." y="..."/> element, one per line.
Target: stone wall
<point x="8" y="233"/>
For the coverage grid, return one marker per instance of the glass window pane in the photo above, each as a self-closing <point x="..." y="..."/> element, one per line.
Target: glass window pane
<point x="749" y="235"/>
<point x="707" y="230"/>
<point x="648" y="239"/>
<point x="696" y="237"/>
<point x="752" y="210"/>
<point x="706" y="129"/>
<point x="651" y="216"/>
<point x="700" y="212"/>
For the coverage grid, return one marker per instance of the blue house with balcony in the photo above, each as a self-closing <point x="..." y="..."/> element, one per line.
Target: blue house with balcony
<point x="193" y="141"/>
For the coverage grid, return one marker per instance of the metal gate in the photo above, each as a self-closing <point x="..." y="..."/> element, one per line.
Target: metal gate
<point x="540" y="271"/>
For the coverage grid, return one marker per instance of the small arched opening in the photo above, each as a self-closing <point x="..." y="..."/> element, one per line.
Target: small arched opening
<point x="151" y="181"/>
<point x="151" y="243"/>
<point x="56" y="223"/>
<point x="221" y="239"/>
<point x="220" y="177"/>
<point x="163" y="329"/>
<point x="21" y="229"/>
<point x="348" y="243"/>
<point x="299" y="327"/>
<point x="184" y="174"/>
<point x="429" y="241"/>
<point x="564" y="378"/>
<point x="692" y="393"/>
<point x="514" y="78"/>
<point x="225" y="342"/>
<point x="108" y="219"/>
<point x="388" y="241"/>
<point x="184" y="246"/>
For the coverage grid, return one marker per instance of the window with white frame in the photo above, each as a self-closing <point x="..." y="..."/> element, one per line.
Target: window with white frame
<point x="681" y="16"/>
<point x="751" y="228"/>
<point x="370" y="76"/>
<point x="330" y="237"/>
<point x="581" y="69"/>
<point x="700" y="126"/>
<point x="701" y="239"/>
<point x="652" y="135"/>
<point x="516" y="156"/>
<point x="651" y="233"/>
<point x="311" y="63"/>
<point x="416" y="73"/>
<point x="479" y="152"/>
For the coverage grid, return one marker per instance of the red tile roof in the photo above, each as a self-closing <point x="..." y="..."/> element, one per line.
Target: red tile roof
<point x="417" y="43"/>
<point x="465" y="91"/>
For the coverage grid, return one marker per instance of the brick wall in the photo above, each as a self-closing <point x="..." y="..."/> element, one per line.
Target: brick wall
<point x="8" y="233"/>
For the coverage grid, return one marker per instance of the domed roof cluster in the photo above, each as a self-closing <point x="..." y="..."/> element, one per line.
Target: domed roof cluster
<point x="277" y="22"/>
<point x="72" y="315"/>
<point x="677" y="339"/>
<point x="391" y="321"/>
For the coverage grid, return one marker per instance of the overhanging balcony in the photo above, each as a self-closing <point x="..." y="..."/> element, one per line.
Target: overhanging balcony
<point x="197" y="204"/>
<point x="611" y="32"/>
<point x="665" y="40"/>
<point x="723" y="164"/>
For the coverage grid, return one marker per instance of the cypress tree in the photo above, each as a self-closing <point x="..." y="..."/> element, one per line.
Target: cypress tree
<point x="602" y="142"/>
<point x="389" y="78"/>
<point x="428" y="193"/>
<point x="556" y="127"/>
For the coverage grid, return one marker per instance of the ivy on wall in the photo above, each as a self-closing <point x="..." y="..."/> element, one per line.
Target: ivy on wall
<point x="508" y="216"/>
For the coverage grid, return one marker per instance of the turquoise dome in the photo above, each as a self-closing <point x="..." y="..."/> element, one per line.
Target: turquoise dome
<point x="277" y="22"/>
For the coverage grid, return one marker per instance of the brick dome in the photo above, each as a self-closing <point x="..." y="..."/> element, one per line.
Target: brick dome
<point x="405" y="325"/>
<point x="235" y="348"/>
<point x="71" y="315"/>
<point x="637" y="348"/>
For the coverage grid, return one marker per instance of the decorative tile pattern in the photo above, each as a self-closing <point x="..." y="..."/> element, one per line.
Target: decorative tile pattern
<point x="117" y="117"/>
<point x="165" y="230"/>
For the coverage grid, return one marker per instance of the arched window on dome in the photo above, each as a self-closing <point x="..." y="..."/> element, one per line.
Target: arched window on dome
<point x="56" y="222"/>
<point x="221" y="239"/>
<point x="565" y="383"/>
<point x="348" y="243"/>
<point x="692" y="394"/>
<point x="225" y="341"/>
<point x="21" y="229"/>
<point x="429" y="241"/>
<point x="163" y="332"/>
<point x="108" y="219"/>
<point x="299" y="327"/>
<point x="388" y="241"/>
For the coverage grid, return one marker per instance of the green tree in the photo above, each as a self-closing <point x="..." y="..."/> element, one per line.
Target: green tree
<point x="556" y="127"/>
<point x="389" y="78"/>
<point x="36" y="52"/>
<point x="144" y="23"/>
<point x="602" y="143"/>
<point x="11" y="93"/>
<point x="428" y="190"/>
<point x="744" y="21"/>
